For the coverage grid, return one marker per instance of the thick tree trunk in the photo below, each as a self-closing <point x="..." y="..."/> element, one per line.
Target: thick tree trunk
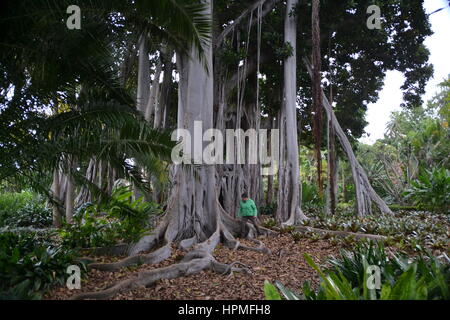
<point x="91" y="174"/>
<point x="270" y="180"/>
<point x="70" y="191"/>
<point x="57" y="221"/>
<point x="289" y="195"/>
<point x="143" y="88"/>
<point x="165" y="93"/>
<point x="154" y="93"/>
<point x="192" y="212"/>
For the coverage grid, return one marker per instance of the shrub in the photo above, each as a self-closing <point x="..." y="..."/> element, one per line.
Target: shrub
<point x="89" y="229"/>
<point x="106" y="224"/>
<point x="30" y="265"/>
<point x="23" y="210"/>
<point x="407" y="230"/>
<point x="269" y="223"/>
<point x="310" y="196"/>
<point x="31" y="215"/>
<point x="425" y="277"/>
<point x="431" y="190"/>
<point x="268" y="209"/>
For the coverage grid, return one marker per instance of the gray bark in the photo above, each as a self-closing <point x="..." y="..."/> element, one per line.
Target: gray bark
<point x="56" y="197"/>
<point x="154" y="92"/>
<point x="165" y="93"/>
<point x="365" y="194"/>
<point x="143" y="74"/>
<point x="289" y="195"/>
<point x="70" y="191"/>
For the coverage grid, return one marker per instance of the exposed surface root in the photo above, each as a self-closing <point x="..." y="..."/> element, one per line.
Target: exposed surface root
<point x="291" y="270"/>
<point x="198" y="259"/>
<point x="154" y="257"/>
<point x="117" y="250"/>
<point x="167" y="231"/>
<point x="146" y="243"/>
<point x="223" y="268"/>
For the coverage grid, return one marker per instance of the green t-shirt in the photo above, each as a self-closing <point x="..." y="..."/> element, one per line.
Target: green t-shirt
<point x="247" y="209"/>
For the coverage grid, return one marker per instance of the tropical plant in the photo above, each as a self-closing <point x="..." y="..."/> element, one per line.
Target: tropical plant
<point x="24" y="209"/>
<point x="431" y="190"/>
<point x="268" y="209"/>
<point x="30" y="265"/>
<point x="74" y="76"/>
<point x="409" y="230"/>
<point x="117" y="219"/>
<point x="422" y="278"/>
<point x="310" y="196"/>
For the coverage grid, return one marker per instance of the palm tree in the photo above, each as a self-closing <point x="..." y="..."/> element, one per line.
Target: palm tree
<point x="71" y="74"/>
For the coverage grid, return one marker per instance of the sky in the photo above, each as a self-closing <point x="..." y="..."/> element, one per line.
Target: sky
<point x="391" y="96"/>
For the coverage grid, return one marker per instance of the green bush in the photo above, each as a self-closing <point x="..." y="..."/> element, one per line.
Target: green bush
<point x="89" y="229"/>
<point x="31" y="215"/>
<point x="310" y="196"/>
<point x="118" y="220"/>
<point x="431" y="190"/>
<point x="269" y="223"/>
<point x="24" y="209"/>
<point x="423" y="278"/>
<point x="407" y="230"/>
<point x="30" y="265"/>
<point x="268" y="209"/>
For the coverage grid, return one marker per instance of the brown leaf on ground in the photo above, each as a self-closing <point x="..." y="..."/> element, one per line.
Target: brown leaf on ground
<point x="286" y="264"/>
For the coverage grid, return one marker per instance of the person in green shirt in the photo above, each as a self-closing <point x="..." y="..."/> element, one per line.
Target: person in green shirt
<point x="247" y="213"/>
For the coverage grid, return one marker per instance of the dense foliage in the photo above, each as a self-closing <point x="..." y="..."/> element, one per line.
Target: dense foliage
<point x="30" y="264"/>
<point x="410" y="165"/>
<point x="431" y="190"/>
<point x="405" y="229"/>
<point x="424" y="277"/>
<point x="24" y="209"/>
<point x="120" y="219"/>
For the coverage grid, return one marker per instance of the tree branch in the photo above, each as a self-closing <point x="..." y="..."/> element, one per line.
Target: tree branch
<point x="267" y="7"/>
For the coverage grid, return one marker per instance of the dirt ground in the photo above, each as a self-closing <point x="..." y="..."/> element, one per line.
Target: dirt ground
<point x="286" y="264"/>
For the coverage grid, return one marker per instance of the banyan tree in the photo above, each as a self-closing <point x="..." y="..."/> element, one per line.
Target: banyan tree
<point x="239" y="81"/>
